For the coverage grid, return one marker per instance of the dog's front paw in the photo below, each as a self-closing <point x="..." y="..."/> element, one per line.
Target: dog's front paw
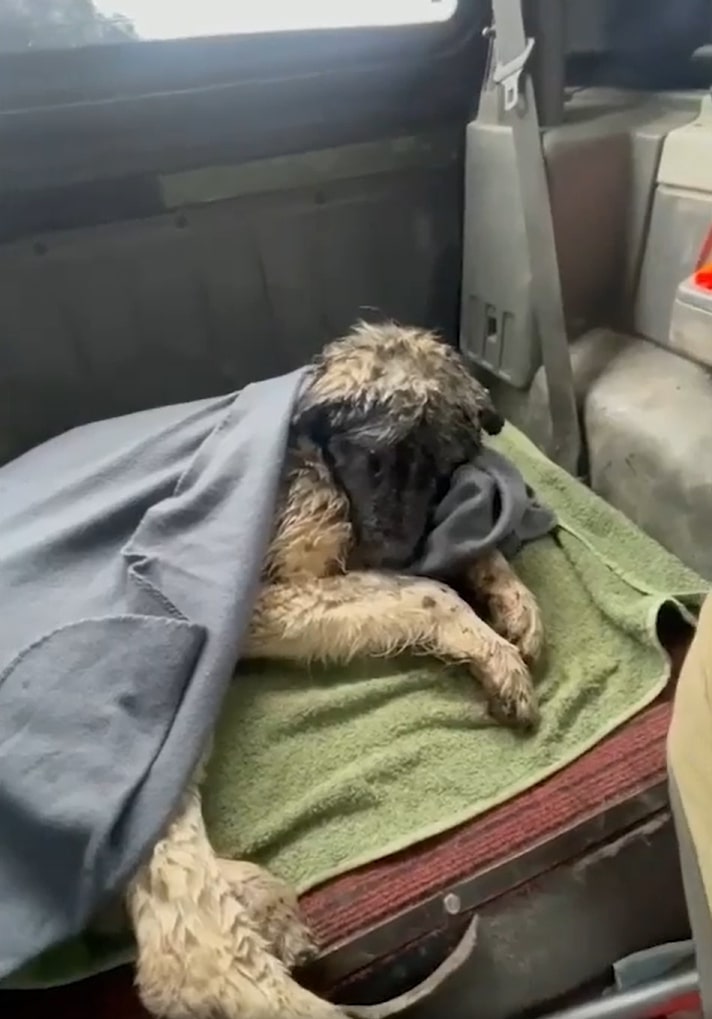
<point x="518" y="619"/>
<point x="273" y="909"/>
<point x="511" y="696"/>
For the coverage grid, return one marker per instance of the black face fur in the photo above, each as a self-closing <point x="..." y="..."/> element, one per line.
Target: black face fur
<point x="393" y="413"/>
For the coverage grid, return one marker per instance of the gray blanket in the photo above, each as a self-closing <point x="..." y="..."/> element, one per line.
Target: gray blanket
<point x="489" y="505"/>
<point x="130" y="551"/>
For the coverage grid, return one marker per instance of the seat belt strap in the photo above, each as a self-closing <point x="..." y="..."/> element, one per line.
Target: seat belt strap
<point x="512" y="50"/>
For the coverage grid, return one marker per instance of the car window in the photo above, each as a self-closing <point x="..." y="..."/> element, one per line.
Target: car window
<point x="68" y="24"/>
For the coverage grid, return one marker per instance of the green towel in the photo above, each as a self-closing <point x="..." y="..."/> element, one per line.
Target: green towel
<point x="317" y="771"/>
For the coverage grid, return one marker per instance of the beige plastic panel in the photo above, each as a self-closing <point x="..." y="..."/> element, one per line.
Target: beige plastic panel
<point x="680" y="220"/>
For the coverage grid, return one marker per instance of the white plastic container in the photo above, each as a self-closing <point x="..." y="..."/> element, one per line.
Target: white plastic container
<point x="691" y="322"/>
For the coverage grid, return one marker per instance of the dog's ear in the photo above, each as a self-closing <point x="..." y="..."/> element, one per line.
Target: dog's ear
<point x="311" y="424"/>
<point x="491" y="420"/>
<point x="487" y="414"/>
<point x="369" y="422"/>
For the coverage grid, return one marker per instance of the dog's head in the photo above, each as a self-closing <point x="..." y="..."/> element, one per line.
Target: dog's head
<point x="393" y="412"/>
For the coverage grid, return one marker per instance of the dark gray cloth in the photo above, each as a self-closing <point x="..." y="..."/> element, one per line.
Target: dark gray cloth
<point x="488" y="506"/>
<point x="130" y="552"/>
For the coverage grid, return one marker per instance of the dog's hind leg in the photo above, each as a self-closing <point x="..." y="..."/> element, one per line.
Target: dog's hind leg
<point x="199" y="954"/>
<point x="338" y="618"/>
<point x="513" y="609"/>
<point x="273" y="908"/>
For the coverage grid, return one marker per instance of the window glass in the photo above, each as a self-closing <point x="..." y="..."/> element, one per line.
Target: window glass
<point x="60" y="24"/>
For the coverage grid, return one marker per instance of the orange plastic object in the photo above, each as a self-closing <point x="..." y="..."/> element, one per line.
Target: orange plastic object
<point x="705" y="251"/>
<point x="703" y="277"/>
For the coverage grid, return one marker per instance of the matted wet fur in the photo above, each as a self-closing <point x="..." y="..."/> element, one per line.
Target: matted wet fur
<point x="385" y="417"/>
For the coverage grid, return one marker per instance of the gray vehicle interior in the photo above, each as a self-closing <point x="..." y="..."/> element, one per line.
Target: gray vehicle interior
<point x="180" y="216"/>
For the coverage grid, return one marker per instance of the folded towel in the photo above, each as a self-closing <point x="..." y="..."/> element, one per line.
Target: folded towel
<point x="317" y="771"/>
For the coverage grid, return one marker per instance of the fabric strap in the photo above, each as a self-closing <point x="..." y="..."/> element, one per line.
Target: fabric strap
<point x="512" y="50"/>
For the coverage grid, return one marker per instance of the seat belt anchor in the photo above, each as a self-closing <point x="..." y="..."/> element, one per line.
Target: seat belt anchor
<point x="508" y="75"/>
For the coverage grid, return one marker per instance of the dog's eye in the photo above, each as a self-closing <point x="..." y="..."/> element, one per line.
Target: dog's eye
<point x="375" y="464"/>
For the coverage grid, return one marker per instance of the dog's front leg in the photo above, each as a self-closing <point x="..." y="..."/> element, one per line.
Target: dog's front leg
<point x="341" y="617"/>
<point x="199" y="954"/>
<point x="512" y="608"/>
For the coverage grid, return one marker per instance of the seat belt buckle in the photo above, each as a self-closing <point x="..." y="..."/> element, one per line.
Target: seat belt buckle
<point x="508" y="75"/>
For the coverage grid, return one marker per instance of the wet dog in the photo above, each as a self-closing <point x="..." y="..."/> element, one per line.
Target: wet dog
<point x="386" y="415"/>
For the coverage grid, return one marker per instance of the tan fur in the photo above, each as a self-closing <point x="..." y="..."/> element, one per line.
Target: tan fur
<point x="361" y="366"/>
<point x="512" y="608"/>
<point x="217" y="938"/>
<point x="313" y="536"/>
<point x="207" y="933"/>
<point x="337" y="618"/>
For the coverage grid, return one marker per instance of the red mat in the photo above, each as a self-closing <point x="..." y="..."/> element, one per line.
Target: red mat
<point x="623" y="765"/>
